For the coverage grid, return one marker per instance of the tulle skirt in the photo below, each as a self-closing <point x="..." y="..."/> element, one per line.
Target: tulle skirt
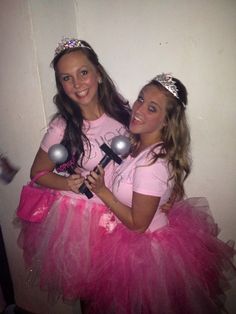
<point x="80" y="251"/>
<point x="182" y="268"/>
<point x="57" y="250"/>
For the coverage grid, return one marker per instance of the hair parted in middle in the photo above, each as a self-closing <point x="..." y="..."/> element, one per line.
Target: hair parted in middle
<point x="111" y="101"/>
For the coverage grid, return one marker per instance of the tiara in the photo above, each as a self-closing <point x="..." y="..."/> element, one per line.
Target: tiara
<point x="68" y="43"/>
<point x="166" y="80"/>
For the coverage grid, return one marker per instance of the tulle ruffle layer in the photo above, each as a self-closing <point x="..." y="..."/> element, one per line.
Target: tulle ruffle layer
<point x="79" y="251"/>
<point x="57" y="251"/>
<point x="182" y="268"/>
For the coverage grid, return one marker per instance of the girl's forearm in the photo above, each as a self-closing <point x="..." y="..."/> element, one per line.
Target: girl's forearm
<point x="54" y="181"/>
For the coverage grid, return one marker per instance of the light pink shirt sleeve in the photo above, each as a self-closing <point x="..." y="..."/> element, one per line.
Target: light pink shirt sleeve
<point x="54" y="134"/>
<point x="152" y="179"/>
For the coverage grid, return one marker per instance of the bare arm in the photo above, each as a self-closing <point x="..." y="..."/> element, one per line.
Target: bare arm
<point x="165" y="208"/>
<point x="53" y="180"/>
<point x="138" y="217"/>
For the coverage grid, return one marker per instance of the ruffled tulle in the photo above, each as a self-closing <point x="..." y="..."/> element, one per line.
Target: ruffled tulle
<point x="182" y="268"/>
<point x="79" y="251"/>
<point x="57" y="251"/>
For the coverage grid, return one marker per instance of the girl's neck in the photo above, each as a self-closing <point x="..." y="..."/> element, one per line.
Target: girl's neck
<point x="93" y="113"/>
<point x="147" y="141"/>
<point x="139" y="149"/>
<point x="143" y="145"/>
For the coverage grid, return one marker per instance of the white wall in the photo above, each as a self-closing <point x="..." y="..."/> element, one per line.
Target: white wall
<point x="29" y="32"/>
<point x="195" y="40"/>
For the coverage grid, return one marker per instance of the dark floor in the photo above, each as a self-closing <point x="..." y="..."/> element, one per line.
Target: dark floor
<point x="18" y="310"/>
<point x="13" y="309"/>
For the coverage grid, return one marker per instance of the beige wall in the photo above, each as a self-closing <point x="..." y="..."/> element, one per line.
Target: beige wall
<point x="195" y="40"/>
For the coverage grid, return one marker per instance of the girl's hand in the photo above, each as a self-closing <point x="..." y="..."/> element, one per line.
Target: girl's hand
<point x="77" y="170"/>
<point x="74" y="182"/>
<point x="95" y="180"/>
<point x="165" y="208"/>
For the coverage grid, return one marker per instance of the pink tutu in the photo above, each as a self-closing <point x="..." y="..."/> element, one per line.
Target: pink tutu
<point x="57" y="251"/>
<point x="182" y="268"/>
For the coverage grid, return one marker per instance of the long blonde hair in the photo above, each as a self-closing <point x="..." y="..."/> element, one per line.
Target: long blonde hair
<point x="175" y="145"/>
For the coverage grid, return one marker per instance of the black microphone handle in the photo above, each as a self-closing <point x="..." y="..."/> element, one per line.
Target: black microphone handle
<point x="83" y="188"/>
<point x="105" y="161"/>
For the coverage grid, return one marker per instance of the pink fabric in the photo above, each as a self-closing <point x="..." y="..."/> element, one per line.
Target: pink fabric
<point x="135" y="174"/>
<point x="54" y="134"/>
<point x="98" y="132"/>
<point x="178" y="266"/>
<point x="181" y="268"/>
<point x="57" y="251"/>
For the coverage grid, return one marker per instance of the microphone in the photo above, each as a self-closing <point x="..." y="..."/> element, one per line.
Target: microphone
<point x="120" y="145"/>
<point x="58" y="153"/>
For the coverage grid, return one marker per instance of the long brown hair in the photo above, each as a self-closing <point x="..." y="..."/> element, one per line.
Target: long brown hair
<point x="110" y="100"/>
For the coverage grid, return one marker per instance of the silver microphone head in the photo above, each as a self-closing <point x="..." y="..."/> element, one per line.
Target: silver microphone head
<point x="120" y="145"/>
<point x="58" y="153"/>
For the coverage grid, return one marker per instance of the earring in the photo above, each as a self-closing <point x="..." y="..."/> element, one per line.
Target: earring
<point x="100" y="80"/>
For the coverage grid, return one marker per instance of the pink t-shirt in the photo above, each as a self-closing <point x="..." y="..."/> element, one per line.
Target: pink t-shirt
<point x="98" y="132"/>
<point x="136" y="175"/>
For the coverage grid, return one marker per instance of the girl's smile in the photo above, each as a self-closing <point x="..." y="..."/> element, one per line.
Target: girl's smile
<point x="79" y="78"/>
<point x="148" y="114"/>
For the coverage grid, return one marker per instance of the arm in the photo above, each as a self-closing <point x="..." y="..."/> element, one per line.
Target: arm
<point x="54" y="135"/>
<point x="165" y="208"/>
<point x="53" y="180"/>
<point x="138" y="217"/>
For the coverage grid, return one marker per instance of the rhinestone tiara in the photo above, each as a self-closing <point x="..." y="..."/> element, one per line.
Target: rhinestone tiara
<point x="68" y="43"/>
<point x="166" y="80"/>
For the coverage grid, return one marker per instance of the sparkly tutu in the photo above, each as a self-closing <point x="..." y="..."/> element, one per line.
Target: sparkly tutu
<point x="57" y="251"/>
<point x="182" y="268"/>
